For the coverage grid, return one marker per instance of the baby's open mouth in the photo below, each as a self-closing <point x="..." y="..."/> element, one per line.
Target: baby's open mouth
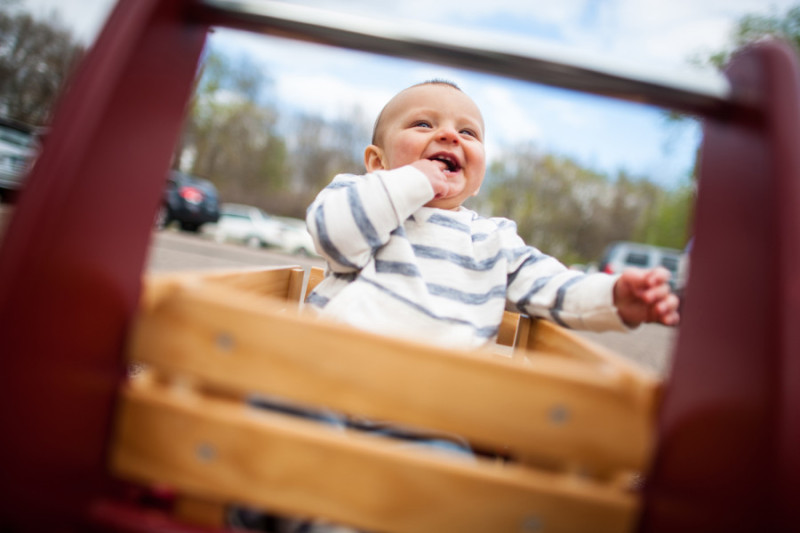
<point x="451" y="162"/>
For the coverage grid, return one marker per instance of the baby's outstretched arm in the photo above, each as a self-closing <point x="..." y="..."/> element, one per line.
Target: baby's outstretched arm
<point x="644" y="296"/>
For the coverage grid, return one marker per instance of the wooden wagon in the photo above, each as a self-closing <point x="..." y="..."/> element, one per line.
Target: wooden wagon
<point x="574" y="438"/>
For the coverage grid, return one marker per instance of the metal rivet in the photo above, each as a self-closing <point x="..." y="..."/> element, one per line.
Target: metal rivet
<point x="532" y="524"/>
<point x="206" y="452"/>
<point x="559" y="414"/>
<point x="225" y="342"/>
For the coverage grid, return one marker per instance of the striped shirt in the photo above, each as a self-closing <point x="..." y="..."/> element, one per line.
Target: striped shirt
<point x="443" y="276"/>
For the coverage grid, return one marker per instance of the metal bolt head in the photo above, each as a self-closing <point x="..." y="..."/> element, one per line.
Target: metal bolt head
<point x="206" y="452"/>
<point x="225" y="342"/>
<point x="558" y="414"/>
<point x="532" y="524"/>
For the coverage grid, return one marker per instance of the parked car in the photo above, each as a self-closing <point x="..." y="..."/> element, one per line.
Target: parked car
<point x="18" y="148"/>
<point x="295" y="238"/>
<point x="248" y="225"/>
<point x="622" y="254"/>
<point x="188" y="200"/>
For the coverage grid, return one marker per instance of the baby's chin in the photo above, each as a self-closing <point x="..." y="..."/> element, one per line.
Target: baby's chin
<point x="444" y="203"/>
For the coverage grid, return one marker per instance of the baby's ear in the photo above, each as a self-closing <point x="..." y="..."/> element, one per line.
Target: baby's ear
<point x="373" y="158"/>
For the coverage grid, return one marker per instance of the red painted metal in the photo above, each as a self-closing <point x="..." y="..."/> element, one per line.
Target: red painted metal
<point x="729" y="431"/>
<point x="118" y="517"/>
<point x="72" y="258"/>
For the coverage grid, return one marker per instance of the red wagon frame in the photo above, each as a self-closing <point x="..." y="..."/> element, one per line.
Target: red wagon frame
<point x="70" y="273"/>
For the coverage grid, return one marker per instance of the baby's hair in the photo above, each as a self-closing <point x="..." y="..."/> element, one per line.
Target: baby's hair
<point x="435" y="81"/>
<point x="438" y="81"/>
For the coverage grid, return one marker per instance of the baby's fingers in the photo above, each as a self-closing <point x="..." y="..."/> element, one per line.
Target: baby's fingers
<point x="654" y="293"/>
<point x="658" y="276"/>
<point x="667" y="310"/>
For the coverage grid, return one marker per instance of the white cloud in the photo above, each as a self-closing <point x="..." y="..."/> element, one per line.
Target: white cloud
<point x="672" y="32"/>
<point x="328" y="95"/>
<point x="506" y="119"/>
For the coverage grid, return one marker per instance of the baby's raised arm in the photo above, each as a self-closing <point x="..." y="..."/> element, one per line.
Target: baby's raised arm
<point x="645" y="296"/>
<point x="354" y="215"/>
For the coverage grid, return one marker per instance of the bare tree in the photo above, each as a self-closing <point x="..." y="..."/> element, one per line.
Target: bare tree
<point x="36" y="60"/>
<point x="320" y="149"/>
<point x="230" y="136"/>
<point x="233" y="138"/>
<point x="567" y="210"/>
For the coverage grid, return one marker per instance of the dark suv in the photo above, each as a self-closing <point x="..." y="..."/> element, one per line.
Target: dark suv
<point x="189" y="201"/>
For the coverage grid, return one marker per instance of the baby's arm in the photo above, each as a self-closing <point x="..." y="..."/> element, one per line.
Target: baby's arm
<point x="354" y="215"/>
<point x="644" y="296"/>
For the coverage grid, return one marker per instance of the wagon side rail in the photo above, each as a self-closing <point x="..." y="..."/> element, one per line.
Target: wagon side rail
<point x="209" y="352"/>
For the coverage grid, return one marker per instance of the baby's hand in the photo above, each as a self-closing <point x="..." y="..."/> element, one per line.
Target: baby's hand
<point x="644" y="296"/>
<point x="434" y="171"/>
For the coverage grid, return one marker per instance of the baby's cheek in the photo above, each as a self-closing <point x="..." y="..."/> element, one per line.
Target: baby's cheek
<point x="454" y="188"/>
<point x="461" y="185"/>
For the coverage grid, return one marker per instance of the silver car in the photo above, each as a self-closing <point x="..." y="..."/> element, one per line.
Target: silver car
<point x="246" y="224"/>
<point x="295" y="238"/>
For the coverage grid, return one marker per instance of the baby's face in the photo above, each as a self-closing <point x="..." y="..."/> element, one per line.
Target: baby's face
<point x="441" y="123"/>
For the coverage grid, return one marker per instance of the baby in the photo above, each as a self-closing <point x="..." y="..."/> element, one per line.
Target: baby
<point x="406" y="258"/>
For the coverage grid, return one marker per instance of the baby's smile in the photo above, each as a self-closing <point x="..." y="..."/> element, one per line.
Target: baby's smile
<point x="448" y="159"/>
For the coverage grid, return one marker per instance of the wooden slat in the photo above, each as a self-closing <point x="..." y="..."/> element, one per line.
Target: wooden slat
<point x="315" y="275"/>
<point x="217" y="449"/>
<point x="564" y="409"/>
<point x="279" y="282"/>
<point x="294" y="289"/>
<point x="508" y="328"/>
<point x="542" y="337"/>
<point x="199" y="511"/>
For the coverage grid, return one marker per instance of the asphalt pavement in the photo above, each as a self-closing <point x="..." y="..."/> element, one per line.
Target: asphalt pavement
<point x="173" y="250"/>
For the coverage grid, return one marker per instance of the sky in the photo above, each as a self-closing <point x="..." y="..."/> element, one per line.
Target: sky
<point x="603" y="134"/>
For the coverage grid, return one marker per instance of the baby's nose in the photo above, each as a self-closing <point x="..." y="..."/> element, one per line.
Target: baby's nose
<point x="448" y="134"/>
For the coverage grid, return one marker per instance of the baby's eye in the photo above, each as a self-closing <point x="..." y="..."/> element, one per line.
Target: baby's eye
<point x="469" y="132"/>
<point x="421" y="124"/>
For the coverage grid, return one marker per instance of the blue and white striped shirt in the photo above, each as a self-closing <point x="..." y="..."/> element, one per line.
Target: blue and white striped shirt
<point x="438" y="275"/>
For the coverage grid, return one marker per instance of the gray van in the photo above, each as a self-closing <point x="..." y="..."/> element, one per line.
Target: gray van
<point x="622" y="254"/>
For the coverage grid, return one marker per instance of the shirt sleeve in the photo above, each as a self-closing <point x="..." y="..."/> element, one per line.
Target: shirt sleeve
<point x="355" y="215"/>
<point x="541" y="286"/>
